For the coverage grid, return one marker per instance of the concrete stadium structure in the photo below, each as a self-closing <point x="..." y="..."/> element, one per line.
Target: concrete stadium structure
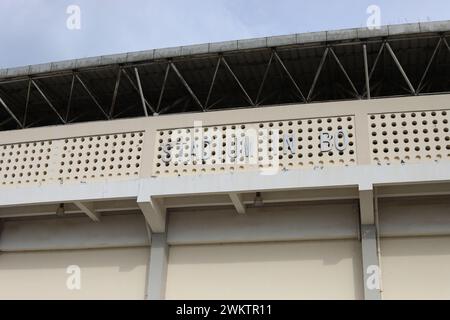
<point x="307" y="166"/>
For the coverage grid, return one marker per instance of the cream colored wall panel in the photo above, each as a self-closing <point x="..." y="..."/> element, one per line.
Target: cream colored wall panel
<point x="285" y="270"/>
<point x="74" y="233"/>
<point x="415" y="268"/>
<point x="337" y="220"/>
<point x="418" y="216"/>
<point x="105" y="274"/>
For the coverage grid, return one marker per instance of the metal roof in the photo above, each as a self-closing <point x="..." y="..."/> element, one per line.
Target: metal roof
<point x="408" y="59"/>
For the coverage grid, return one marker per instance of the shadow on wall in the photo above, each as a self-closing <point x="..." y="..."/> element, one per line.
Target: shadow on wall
<point x="122" y="259"/>
<point x="292" y="268"/>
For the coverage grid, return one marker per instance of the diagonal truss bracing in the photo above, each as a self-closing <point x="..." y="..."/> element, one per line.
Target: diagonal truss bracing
<point x="249" y="76"/>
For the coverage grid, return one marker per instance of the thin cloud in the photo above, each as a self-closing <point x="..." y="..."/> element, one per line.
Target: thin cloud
<point x="34" y="31"/>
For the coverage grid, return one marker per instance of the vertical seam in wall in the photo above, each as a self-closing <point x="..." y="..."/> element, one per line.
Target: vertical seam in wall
<point x="362" y="138"/>
<point x="147" y="153"/>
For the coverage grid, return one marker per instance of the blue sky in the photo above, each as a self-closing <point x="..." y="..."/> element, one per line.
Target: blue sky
<point x="34" y="31"/>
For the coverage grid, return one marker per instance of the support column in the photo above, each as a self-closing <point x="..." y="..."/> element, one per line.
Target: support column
<point x="369" y="244"/>
<point x="157" y="267"/>
<point x="1" y="230"/>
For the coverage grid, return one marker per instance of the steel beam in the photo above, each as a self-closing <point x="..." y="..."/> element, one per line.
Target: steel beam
<point x="116" y="90"/>
<point x="125" y="111"/>
<point x="70" y="98"/>
<point x="186" y="85"/>
<point x="375" y="63"/>
<point x="446" y="43"/>
<point x="344" y="71"/>
<point x="215" y="103"/>
<point x="237" y="81"/>
<point x="400" y="68"/>
<point x="212" y="82"/>
<point x="436" y="49"/>
<point x="266" y="73"/>
<point x="48" y="101"/>
<point x="137" y="90"/>
<point x="366" y="71"/>
<point x="13" y="116"/>
<point x="34" y="123"/>
<point x="27" y="103"/>
<point x="161" y="94"/>
<point x="319" y="70"/>
<point x="176" y="102"/>
<point x="92" y="97"/>
<point x="141" y="93"/>
<point x="380" y="51"/>
<point x="5" y="121"/>
<point x="289" y="75"/>
<point x="77" y="117"/>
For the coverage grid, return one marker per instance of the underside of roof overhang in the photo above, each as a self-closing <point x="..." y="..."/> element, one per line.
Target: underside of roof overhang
<point x="349" y="64"/>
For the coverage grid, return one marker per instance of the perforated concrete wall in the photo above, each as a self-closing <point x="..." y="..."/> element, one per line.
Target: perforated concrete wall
<point x="382" y="132"/>
<point x="284" y="145"/>
<point x="409" y="137"/>
<point x="73" y="159"/>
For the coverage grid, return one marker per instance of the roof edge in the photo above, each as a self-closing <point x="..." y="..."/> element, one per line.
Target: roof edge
<point x="228" y="46"/>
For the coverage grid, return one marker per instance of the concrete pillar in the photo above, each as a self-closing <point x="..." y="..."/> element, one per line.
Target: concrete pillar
<point x="370" y="261"/>
<point x="369" y="243"/>
<point x="157" y="267"/>
<point x="1" y="229"/>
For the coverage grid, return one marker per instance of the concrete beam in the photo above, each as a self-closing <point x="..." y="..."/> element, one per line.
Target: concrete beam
<point x="157" y="267"/>
<point x="342" y="177"/>
<point x="89" y="209"/>
<point x="64" y="193"/>
<point x="154" y="212"/>
<point x="245" y="182"/>
<point x="303" y="195"/>
<point x="238" y="202"/>
<point x="197" y="201"/>
<point x="307" y="195"/>
<point x="122" y="206"/>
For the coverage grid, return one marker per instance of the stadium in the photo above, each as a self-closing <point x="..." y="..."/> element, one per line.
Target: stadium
<point x="305" y="166"/>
